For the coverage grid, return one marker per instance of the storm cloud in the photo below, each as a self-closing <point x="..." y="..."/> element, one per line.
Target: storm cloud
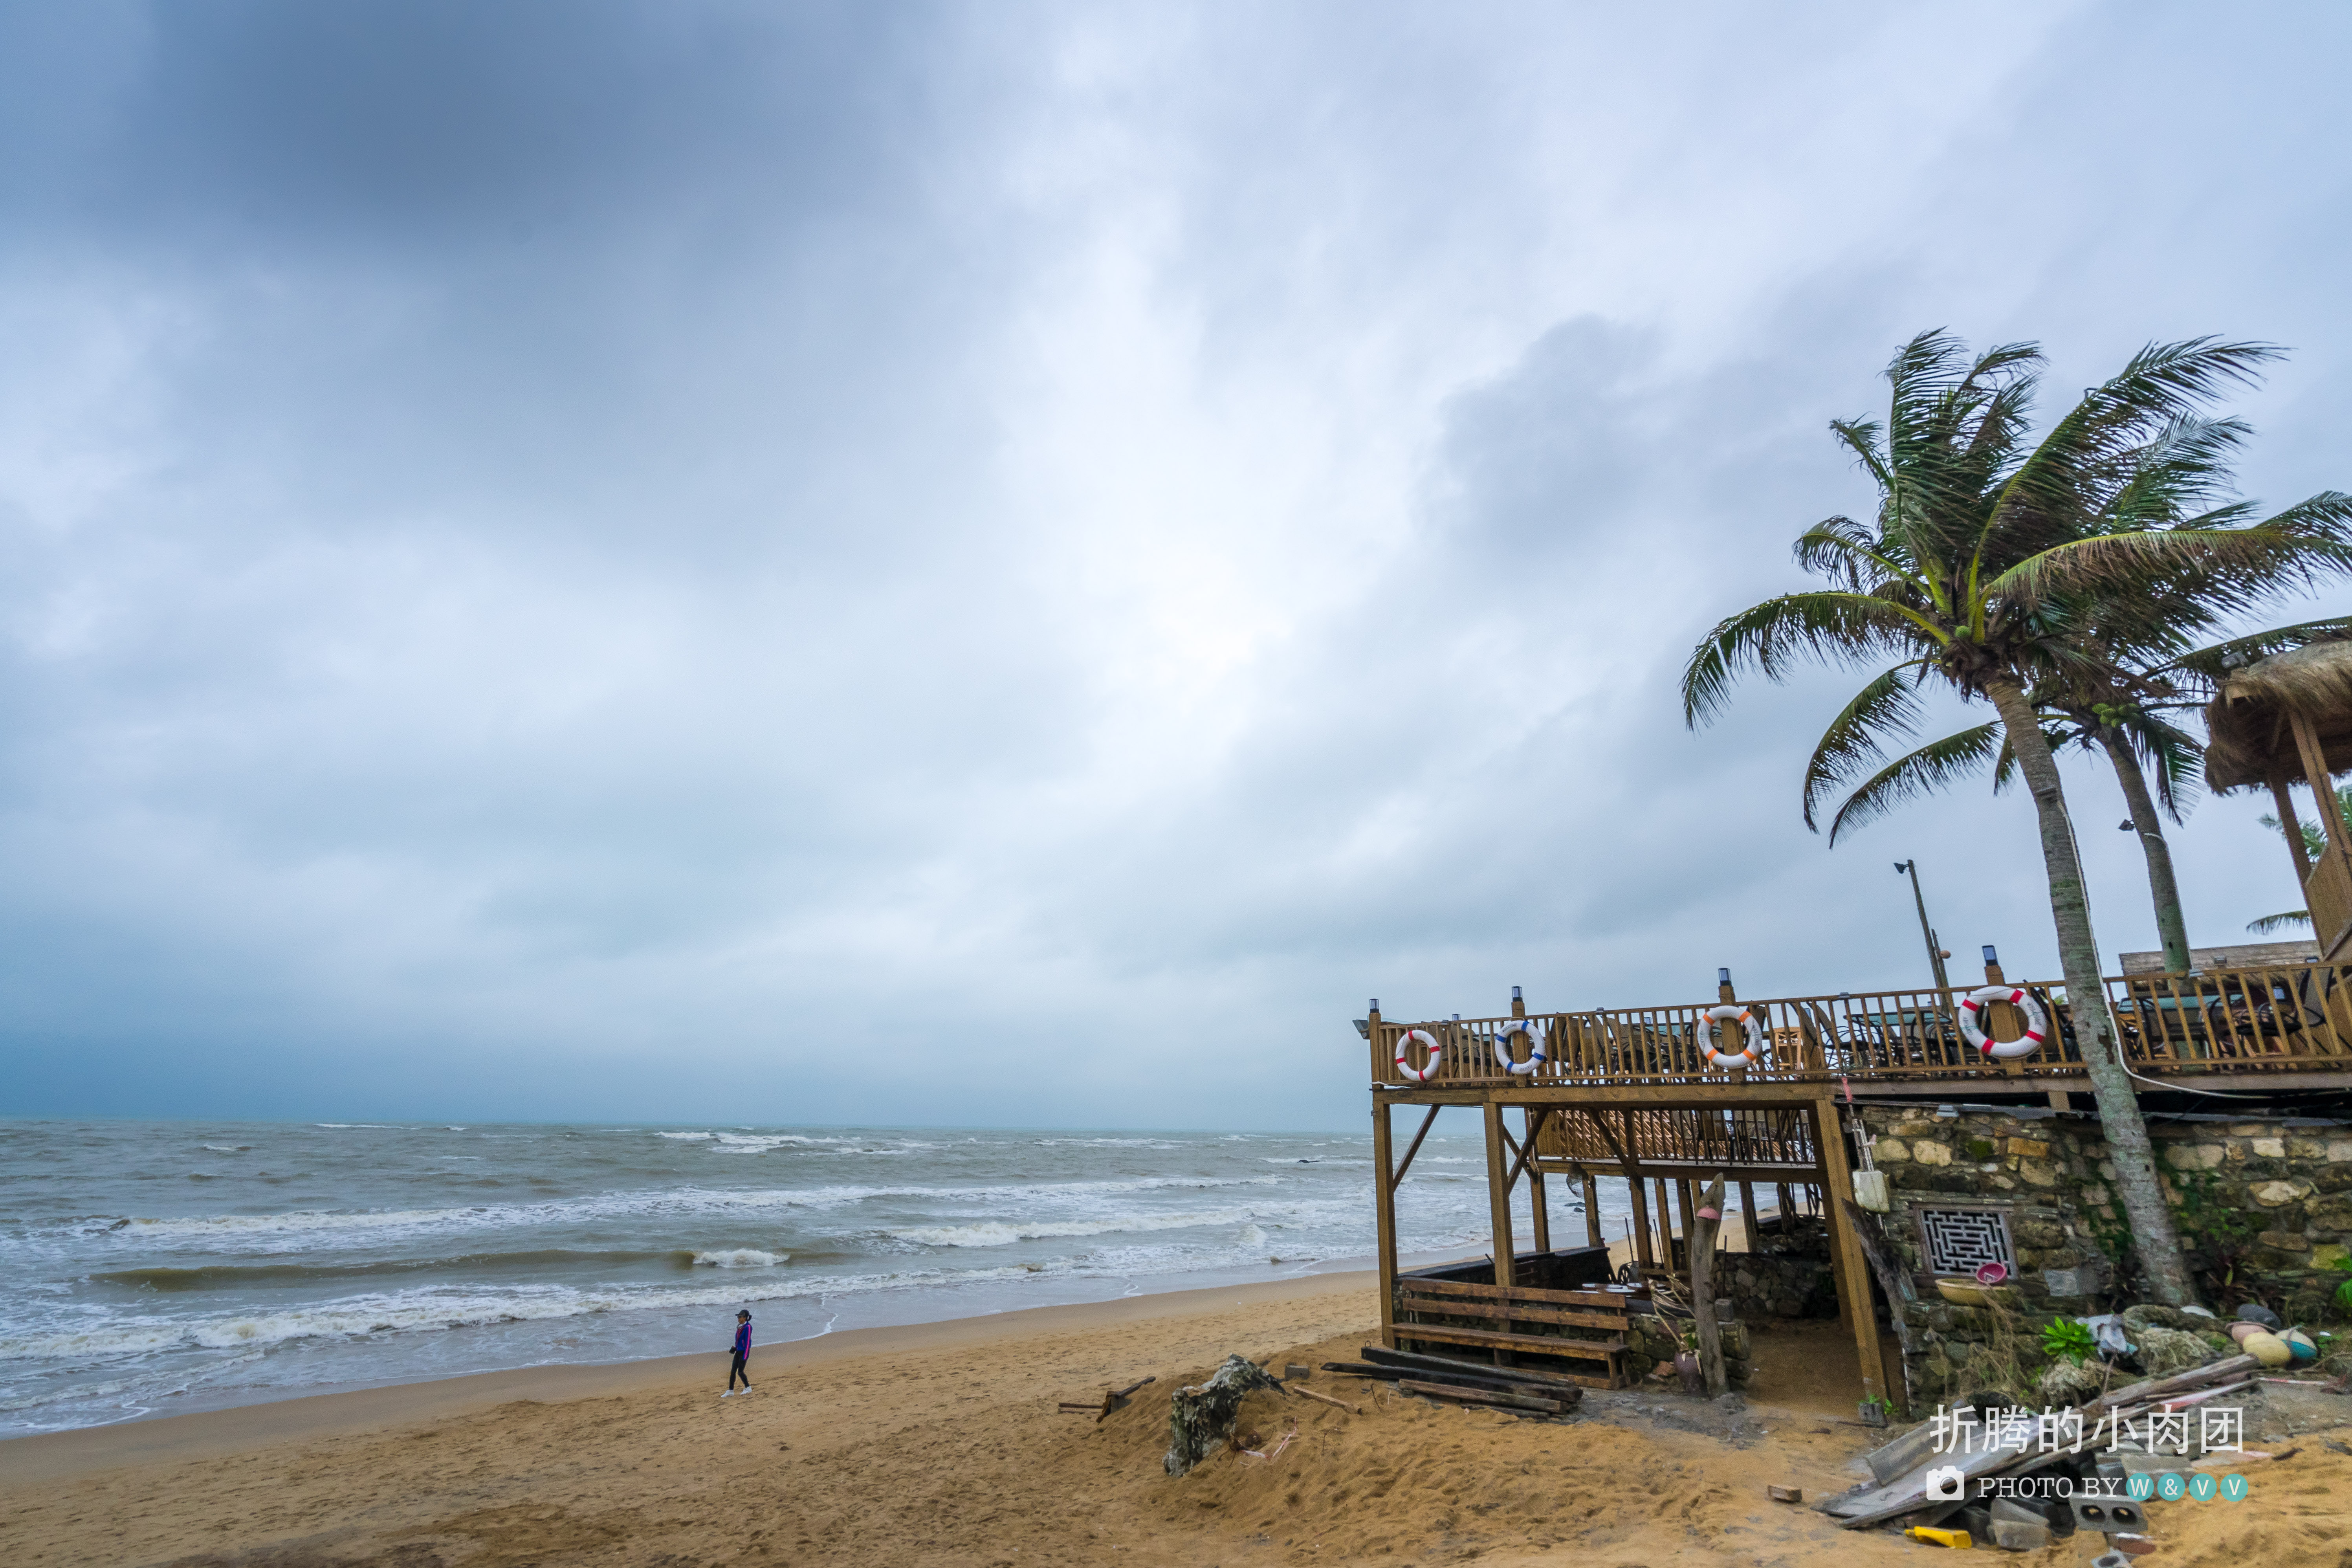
<point x="1015" y="564"/>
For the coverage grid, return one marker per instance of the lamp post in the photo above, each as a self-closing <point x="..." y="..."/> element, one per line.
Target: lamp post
<point x="1936" y="954"/>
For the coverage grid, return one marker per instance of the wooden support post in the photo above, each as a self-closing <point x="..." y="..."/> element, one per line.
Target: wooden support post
<point x="1665" y="1229"/>
<point x="1499" y="1196"/>
<point x="1747" y="1215"/>
<point x="2293" y="826"/>
<point x="1593" y="1235"/>
<point x="1702" y="1275"/>
<point x="1846" y="1257"/>
<point x="1642" y="1254"/>
<point x="1384" y="1205"/>
<point x="1536" y="1206"/>
<point x="2323" y="786"/>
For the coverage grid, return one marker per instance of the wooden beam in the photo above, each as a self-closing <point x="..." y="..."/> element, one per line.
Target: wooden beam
<point x="2323" y="784"/>
<point x="1538" y="1203"/>
<point x="1642" y="1252"/>
<point x="1747" y="1215"/>
<point x="1593" y="1235"/>
<point x="1498" y="1198"/>
<point x="1384" y="1214"/>
<point x="1513" y="1179"/>
<point x="1414" y="1147"/>
<point x="2293" y="826"/>
<point x="1845" y="1248"/>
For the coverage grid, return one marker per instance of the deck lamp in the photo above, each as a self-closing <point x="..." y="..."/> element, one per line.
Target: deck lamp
<point x="1991" y="956"/>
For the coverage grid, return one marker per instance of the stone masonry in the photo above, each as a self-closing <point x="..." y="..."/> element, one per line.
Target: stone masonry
<point x="2264" y="1206"/>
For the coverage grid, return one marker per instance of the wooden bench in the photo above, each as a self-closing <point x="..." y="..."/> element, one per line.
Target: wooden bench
<point x="1497" y="1306"/>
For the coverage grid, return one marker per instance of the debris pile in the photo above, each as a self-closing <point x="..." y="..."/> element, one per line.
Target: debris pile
<point x="1943" y="1478"/>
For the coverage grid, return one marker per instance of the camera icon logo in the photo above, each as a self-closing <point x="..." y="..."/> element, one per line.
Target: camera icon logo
<point x="1946" y="1483"/>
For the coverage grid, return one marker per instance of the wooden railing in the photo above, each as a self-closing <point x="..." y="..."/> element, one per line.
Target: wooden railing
<point x="2296" y="1017"/>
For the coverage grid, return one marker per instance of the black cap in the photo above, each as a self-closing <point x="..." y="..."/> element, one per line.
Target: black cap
<point x="744" y="1313"/>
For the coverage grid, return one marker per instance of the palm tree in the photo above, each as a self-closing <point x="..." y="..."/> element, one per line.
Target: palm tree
<point x="2112" y="703"/>
<point x="1976" y="569"/>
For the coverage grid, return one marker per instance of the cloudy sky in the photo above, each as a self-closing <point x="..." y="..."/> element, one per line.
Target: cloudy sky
<point x="1014" y="563"/>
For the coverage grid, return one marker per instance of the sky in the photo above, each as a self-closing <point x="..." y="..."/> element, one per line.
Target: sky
<point x="1015" y="564"/>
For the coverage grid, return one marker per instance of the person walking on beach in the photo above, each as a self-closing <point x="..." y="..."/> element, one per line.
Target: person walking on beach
<point x="743" y="1353"/>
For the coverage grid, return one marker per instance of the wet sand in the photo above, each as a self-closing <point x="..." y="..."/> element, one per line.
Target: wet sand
<point x="941" y="1445"/>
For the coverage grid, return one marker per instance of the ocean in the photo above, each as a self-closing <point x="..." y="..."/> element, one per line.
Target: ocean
<point x="150" y="1268"/>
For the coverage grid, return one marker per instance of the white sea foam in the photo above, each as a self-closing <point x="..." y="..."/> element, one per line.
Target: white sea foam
<point x="1002" y="1233"/>
<point x="324" y="1227"/>
<point x="228" y="1148"/>
<point x="741" y="1257"/>
<point x="444" y="1308"/>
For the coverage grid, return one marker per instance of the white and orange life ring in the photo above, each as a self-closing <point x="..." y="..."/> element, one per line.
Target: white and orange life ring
<point x="1750" y="1055"/>
<point x="1404" y="1054"/>
<point x="2037" y="1024"/>
<point x="1535" y="1030"/>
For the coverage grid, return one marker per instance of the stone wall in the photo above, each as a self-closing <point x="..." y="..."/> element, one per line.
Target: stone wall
<point x="1788" y="1277"/>
<point x="2264" y="1206"/>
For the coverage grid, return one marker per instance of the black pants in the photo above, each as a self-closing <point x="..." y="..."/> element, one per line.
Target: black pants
<point x="737" y="1371"/>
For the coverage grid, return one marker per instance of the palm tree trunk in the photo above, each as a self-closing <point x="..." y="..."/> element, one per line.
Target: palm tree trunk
<point x="2170" y="928"/>
<point x="2126" y="1134"/>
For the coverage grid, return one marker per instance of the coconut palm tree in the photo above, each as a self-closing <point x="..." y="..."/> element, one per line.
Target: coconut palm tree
<point x="2113" y="703"/>
<point x="1974" y="572"/>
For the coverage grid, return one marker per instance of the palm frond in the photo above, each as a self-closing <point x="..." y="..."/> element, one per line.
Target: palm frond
<point x="1884" y="706"/>
<point x="1832" y="628"/>
<point x="1932" y="767"/>
<point x="2061" y="479"/>
<point x="2214" y="662"/>
<point x="2279" y="921"/>
<point x="2230" y="568"/>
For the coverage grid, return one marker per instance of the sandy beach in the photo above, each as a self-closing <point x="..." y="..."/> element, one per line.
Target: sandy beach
<point x="941" y="1445"/>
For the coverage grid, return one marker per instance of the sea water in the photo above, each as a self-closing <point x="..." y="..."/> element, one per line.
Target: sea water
<point x="151" y="1267"/>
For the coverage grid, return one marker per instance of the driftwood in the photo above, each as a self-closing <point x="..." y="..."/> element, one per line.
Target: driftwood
<point x="1200" y="1416"/>
<point x="1115" y="1399"/>
<point x="1324" y="1399"/>
<point x="2157" y="1388"/>
<point x="1473" y="1376"/>
<point x="1702" y="1274"/>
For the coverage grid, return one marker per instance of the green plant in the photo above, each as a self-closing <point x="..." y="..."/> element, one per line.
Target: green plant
<point x="2344" y="1291"/>
<point x="2067" y="1339"/>
<point x="1995" y="562"/>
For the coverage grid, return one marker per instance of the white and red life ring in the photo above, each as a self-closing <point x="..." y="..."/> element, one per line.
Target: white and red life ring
<point x="1750" y="1055"/>
<point x="1404" y="1054"/>
<point x="1535" y="1030"/>
<point x="2036" y="1022"/>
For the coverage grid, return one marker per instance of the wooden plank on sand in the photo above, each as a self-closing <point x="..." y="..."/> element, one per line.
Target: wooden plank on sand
<point x="1482" y="1396"/>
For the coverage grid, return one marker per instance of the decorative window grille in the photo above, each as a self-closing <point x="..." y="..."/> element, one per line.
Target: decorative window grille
<point x="1958" y="1241"/>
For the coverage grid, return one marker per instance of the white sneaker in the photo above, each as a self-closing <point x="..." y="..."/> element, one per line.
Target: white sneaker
<point x="729" y="1394"/>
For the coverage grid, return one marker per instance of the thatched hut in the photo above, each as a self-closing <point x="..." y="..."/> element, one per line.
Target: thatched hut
<point x="2287" y="720"/>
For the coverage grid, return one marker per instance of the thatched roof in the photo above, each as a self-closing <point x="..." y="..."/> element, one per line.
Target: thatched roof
<point x="2248" y="717"/>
